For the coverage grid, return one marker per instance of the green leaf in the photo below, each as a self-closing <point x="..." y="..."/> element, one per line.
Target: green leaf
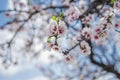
<point x="48" y="39"/>
<point x="57" y="19"/>
<point x="113" y="1"/>
<point x="62" y="14"/>
<point x="60" y="17"/>
<point x="54" y="18"/>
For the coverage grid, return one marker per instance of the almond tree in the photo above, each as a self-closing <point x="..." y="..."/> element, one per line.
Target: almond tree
<point x="74" y="28"/>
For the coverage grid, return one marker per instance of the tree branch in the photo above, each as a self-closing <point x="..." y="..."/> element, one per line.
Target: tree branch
<point x="108" y="68"/>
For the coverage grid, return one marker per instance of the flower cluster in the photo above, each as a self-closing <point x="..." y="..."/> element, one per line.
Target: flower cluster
<point x="88" y="19"/>
<point x="57" y="29"/>
<point x="72" y="13"/>
<point x="53" y="28"/>
<point x="98" y="34"/>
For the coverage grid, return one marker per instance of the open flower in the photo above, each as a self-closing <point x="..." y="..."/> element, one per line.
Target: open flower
<point x="88" y="19"/>
<point x="85" y="48"/>
<point x="57" y="28"/>
<point x="53" y="28"/>
<point x="117" y="5"/>
<point x="62" y="28"/>
<point x="99" y="34"/>
<point x="86" y="32"/>
<point x="73" y="13"/>
<point x="116" y="24"/>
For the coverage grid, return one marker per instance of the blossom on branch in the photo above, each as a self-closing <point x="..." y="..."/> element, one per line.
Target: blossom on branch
<point x="57" y="30"/>
<point x="85" y="48"/>
<point x="62" y="28"/>
<point x="117" y="5"/>
<point x="72" y="13"/>
<point x="86" y="32"/>
<point x="53" y="28"/>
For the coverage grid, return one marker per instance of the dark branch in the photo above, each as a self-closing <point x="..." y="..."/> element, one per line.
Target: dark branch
<point x="108" y="68"/>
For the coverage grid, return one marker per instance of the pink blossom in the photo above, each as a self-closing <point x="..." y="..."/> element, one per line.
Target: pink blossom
<point x="66" y="2"/>
<point x="72" y="13"/>
<point x="85" y="48"/>
<point x="82" y="6"/>
<point x="116" y="24"/>
<point x="99" y="34"/>
<point x="58" y="29"/>
<point x="88" y="19"/>
<point x="56" y="48"/>
<point x="78" y="37"/>
<point x="86" y="32"/>
<point x="53" y="28"/>
<point x="62" y="28"/>
<point x="117" y="5"/>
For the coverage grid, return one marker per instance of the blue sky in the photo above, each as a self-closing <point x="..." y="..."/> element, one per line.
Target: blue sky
<point x="3" y="6"/>
<point x="24" y="74"/>
<point x="21" y="73"/>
